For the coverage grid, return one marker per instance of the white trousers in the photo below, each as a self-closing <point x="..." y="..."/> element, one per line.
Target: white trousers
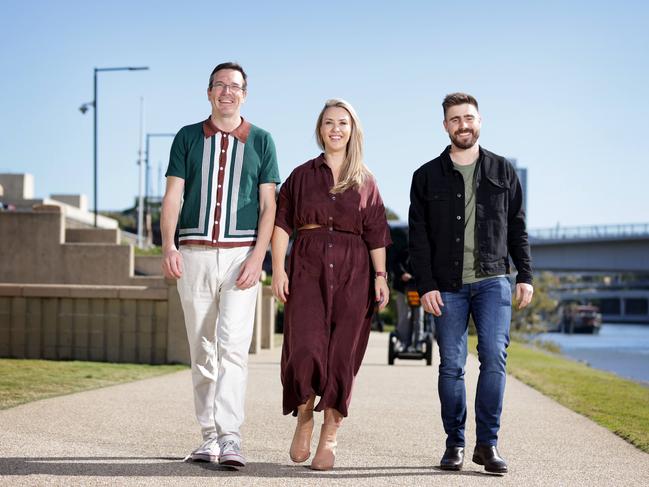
<point x="219" y="320"/>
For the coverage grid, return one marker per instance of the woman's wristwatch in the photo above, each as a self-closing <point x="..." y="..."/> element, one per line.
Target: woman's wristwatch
<point x="381" y="274"/>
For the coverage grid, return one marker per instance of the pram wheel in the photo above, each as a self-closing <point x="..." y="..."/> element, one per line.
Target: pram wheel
<point x="392" y="348"/>
<point x="429" y="350"/>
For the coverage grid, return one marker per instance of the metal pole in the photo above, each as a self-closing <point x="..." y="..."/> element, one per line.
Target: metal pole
<point x="140" y="162"/>
<point x="95" y="146"/>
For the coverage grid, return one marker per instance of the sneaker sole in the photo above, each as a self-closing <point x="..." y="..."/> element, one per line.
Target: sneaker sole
<point x="232" y="461"/>
<point x="204" y="457"/>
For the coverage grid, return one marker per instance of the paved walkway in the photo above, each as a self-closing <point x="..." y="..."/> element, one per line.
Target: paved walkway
<point x="138" y="433"/>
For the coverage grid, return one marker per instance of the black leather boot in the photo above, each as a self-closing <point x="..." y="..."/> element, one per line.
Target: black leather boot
<point x="489" y="457"/>
<point x="453" y="458"/>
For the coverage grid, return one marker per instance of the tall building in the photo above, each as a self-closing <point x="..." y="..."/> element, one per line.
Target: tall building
<point x="522" y="176"/>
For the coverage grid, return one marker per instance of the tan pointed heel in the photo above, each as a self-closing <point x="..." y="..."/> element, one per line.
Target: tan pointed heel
<point x="301" y="445"/>
<point x="325" y="455"/>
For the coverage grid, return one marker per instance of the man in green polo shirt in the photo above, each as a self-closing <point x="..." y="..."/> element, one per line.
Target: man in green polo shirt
<point x="224" y="170"/>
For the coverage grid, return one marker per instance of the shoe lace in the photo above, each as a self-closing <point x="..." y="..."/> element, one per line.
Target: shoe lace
<point x="230" y="445"/>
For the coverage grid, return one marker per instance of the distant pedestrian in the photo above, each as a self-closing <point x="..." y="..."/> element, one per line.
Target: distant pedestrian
<point x="225" y="171"/>
<point x="466" y="221"/>
<point x="330" y="288"/>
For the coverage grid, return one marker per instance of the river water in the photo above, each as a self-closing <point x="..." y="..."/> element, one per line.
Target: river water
<point x="619" y="348"/>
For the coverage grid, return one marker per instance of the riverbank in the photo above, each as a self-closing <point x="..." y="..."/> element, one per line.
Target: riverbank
<point x="618" y="404"/>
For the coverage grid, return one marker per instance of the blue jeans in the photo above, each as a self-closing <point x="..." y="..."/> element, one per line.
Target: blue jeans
<point x="490" y="303"/>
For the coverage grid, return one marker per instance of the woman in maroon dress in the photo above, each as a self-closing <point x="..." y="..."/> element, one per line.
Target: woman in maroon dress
<point x="330" y="289"/>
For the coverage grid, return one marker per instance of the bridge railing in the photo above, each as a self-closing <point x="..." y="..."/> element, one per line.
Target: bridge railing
<point x="622" y="230"/>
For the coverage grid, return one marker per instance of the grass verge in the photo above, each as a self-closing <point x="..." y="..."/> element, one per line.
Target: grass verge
<point x="24" y="381"/>
<point x="618" y="404"/>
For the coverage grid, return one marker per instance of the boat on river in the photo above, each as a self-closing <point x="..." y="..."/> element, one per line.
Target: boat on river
<point x="580" y="318"/>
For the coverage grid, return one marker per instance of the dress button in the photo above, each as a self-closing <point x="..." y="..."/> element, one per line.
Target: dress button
<point x="222" y="150"/>
<point x="331" y="265"/>
<point x="216" y="223"/>
<point x="224" y="136"/>
<point x="333" y="198"/>
<point x="457" y="262"/>
<point x="331" y="245"/>
<point x="219" y="185"/>
<point x="459" y="195"/>
<point x="331" y="229"/>
<point x="221" y="168"/>
<point x="458" y="217"/>
<point x="457" y="239"/>
<point x="331" y="217"/>
<point x="218" y="204"/>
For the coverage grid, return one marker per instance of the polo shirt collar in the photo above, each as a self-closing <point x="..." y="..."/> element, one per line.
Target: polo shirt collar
<point x="240" y="133"/>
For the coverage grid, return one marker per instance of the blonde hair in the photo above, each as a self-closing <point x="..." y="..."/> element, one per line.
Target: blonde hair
<point x="353" y="172"/>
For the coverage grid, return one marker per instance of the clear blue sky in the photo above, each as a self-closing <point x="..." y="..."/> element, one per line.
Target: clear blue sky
<point x="562" y="87"/>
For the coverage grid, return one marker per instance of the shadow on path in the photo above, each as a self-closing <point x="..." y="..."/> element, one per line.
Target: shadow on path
<point x="176" y="467"/>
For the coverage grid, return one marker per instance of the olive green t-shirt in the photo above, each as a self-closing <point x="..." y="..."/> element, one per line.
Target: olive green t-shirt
<point x="470" y="266"/>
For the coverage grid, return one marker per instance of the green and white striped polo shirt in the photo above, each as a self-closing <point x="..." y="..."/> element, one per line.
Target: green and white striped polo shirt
<point x="222" y="173"/>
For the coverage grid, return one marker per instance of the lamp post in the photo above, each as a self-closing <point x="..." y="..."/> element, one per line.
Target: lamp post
<point x="93" y="103"/>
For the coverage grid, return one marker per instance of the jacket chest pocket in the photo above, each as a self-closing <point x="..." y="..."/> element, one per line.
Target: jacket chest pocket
<point x="438" y="207"/>
<point x="496" y="191"/>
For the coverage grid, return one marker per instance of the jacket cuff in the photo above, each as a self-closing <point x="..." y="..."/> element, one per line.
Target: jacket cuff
<point x="427" y="286"/>
<point x="524" y="278"/>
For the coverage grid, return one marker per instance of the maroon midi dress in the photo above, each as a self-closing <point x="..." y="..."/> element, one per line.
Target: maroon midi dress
<point x="331" y="288"/>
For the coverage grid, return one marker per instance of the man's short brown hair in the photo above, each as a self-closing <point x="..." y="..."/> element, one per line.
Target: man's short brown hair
<point x="230" y="65"/>
<point x="454" y="99"/>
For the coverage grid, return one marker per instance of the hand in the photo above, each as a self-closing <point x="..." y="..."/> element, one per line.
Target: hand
<point x="433" y="303"/>
<point x="279" y="285"/>
<point x="172" y="263"/>
<point x="250" y="272"/>
<point x="406" y="276"/>
<point x="524" y="294"/>
<point x="382" y="292"/>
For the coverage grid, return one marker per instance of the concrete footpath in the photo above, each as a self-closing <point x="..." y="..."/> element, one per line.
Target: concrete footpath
<point x="138" y="434"/>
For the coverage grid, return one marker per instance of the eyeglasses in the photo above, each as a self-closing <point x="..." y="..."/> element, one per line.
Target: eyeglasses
<point x="221" y="87"/>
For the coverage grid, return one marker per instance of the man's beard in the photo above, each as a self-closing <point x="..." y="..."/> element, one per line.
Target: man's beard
<point x="464" y="143"/>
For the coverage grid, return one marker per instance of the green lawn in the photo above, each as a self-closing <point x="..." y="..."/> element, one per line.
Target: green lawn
<point x="23" y="381"/>
<point x="618" y="404"/>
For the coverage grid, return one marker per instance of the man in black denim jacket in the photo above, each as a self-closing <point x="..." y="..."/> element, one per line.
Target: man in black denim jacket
<point x="466" y="219"/>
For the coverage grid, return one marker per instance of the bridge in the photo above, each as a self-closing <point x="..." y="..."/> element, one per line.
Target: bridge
<point x="599" y="249"/>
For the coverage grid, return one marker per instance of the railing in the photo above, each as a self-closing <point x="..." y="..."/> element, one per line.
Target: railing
<point x="623" y="230"/>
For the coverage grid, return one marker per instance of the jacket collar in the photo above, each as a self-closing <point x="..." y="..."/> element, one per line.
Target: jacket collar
<point x="447" y="163"/>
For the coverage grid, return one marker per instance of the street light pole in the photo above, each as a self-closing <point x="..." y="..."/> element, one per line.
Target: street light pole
<point x="84" y="108"/>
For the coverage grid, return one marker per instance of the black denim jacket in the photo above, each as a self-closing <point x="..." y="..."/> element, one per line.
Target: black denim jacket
<point x="436" y="222"/>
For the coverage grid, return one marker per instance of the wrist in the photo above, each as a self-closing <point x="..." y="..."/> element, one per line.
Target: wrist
<point x="382" y="274"/>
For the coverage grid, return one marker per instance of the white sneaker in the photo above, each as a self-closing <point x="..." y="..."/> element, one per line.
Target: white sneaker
<point x="231" y="454"/>
<point x="207" y="452"/>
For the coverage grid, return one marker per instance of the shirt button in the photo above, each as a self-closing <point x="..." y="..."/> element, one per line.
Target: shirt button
<point x="459" y="195"/>
<point x="331" y="265"/>
<point x="224" y="136"/>
<point x="333" y="198"/>
<point x="331" y="245"/>
<point x="457" y="239"/>
<point x="222" y="150"/>
<point x="458" y="217"/>
<point x="331" y="229"/>
<point x="221" y="168"/>
<point x="216" y="223"/>
<point x="218" y="204"/>
<point x="331" y="286"/>
<point x="220" y="186"/>
<point x="457" y="262"/>
<point x="331" y="217"/>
